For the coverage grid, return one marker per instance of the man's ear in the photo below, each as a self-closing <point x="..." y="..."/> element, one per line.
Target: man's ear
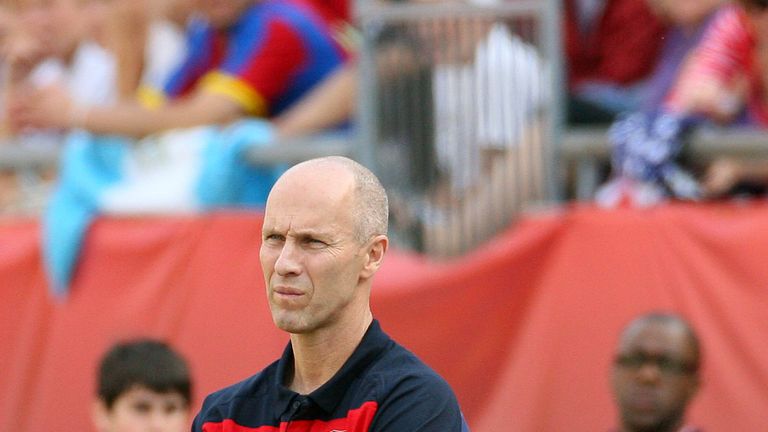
<point x="100" y="416"/>
<point x="374" y="255"/>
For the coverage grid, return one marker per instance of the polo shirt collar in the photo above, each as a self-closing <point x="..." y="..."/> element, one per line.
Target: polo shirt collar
<point x="330" y="394"/>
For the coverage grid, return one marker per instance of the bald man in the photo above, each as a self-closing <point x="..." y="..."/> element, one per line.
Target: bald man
<point x="324" y="238"/>
<point x="656" y="373"/>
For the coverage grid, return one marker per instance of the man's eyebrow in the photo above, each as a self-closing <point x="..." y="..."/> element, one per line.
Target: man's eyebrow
<point x="311" y="233"/>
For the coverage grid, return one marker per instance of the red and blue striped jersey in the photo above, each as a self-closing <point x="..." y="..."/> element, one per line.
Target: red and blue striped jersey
<point x="381" y="387"/>
<point x="270" y="57"/>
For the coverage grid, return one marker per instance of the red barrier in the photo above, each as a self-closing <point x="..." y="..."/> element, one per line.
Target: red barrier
<point x="523" y="329"/>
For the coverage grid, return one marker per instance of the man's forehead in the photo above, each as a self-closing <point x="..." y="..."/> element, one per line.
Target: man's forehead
<point x="308" y="226"/>
<point x="312" y="185"/>
<point x="655" y="337"/>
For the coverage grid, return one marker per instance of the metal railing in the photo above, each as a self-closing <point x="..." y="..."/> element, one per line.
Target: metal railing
<point x="28" y="169"/>
<point x="586" y="152"/>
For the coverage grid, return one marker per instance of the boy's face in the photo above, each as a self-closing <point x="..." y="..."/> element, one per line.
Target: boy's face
<point x="142" y="410"/>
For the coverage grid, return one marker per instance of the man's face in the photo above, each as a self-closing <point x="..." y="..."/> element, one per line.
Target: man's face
<point x="143" y="410"/>
<point x="223" y="13"/>
<point x="311" y="259"/>
<point x="654" y="377"/>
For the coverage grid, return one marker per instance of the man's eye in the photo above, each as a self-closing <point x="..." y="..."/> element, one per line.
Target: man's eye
<point x="273" y="238"/>
<point x="315" y="242"/>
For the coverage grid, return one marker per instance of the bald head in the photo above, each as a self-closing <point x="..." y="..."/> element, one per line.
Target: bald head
<point x="655" y="373"/>
<point x="369" y="204"/>
<point x="671" y="321"/>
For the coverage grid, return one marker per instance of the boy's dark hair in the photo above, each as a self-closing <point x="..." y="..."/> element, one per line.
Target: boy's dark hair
<point x="143" y="362"/>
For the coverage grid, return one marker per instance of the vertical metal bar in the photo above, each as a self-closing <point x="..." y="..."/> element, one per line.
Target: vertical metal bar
<point x="552" y="31"/>
<point x="367" y="96"/>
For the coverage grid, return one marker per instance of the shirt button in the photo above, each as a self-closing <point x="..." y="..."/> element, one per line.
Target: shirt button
<point x="296" y="405"/>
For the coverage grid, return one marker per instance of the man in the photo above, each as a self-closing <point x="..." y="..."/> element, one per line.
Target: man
<point x="143" y="386"/>
<point x="656" y="374"/>
<point x="245" y="58"/>
<point x="324" y="238"/>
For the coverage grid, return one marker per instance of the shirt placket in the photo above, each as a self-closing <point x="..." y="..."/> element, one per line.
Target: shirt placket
<point x="295" y="408"/>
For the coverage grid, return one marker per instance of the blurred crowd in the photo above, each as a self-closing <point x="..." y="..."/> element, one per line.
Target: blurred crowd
<point x="136" y="67"/>
<point x="676" y="66"/>
<point x="139" y="67"/>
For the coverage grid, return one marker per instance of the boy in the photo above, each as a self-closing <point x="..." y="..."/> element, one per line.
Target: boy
<point x="143" y="385"/>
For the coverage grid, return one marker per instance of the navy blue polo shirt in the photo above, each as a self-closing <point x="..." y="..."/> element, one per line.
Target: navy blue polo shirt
<point x="381" y="387"/>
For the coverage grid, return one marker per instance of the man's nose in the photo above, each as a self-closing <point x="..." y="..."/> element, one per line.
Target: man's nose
<point x="649" y="372"/>
<point x="288" y="262"/>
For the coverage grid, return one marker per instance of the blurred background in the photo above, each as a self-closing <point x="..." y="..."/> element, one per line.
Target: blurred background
<point x="554" y="169"/>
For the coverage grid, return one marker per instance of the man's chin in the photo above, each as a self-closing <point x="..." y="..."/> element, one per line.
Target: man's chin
<point x="643" y="423"/>
<point x="291" y="325"/>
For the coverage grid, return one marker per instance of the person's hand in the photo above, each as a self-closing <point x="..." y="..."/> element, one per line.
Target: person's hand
<point x="21" y="51"/>
<point x="712" y="98"/>
<point x="722" y="176"/>
<point x="49" y="107"/>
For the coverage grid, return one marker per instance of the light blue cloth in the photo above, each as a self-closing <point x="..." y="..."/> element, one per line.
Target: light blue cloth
<point x="95" y="169"/>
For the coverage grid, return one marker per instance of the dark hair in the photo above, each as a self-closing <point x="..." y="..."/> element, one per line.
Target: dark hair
<point x="145" y="362"/>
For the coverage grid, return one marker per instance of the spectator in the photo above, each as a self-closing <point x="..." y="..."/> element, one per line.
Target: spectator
<point x="642" y="177"/>
<point x="245" y="58"/>
<point x="611" y="46"/>
<point x="143" y="386"/>
<point x="324" y="238"/>
<point x="54" y="50"/>
<point x="333" y="101"/>
<point x="50" y="45"/>
<point x="687" y="22"/>
<point x="329" y="105"/>
<point x="725" y="73"/>
<point x="487" y="112"/>
<point x="656" y="374"/>
<point x="725" y="81"/>
<point x="146" y="38"/>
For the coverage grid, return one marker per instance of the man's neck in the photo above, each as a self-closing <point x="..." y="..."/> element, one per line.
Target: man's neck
<point x="319" y="355"/>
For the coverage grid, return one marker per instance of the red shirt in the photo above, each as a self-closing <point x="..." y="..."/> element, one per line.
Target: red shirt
<point x="333" y="11"/>
<point x="727" y="51"/>
<point x="621" y="48"/>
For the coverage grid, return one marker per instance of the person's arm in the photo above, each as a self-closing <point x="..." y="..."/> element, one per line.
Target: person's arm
<point x="712" y="79"/>
<point x="329" y="104"/>
<point x="20" y="50"/>
<point x="725" y="173"/>
<point x="126" y="31"/>
<point x="53" y="108"/>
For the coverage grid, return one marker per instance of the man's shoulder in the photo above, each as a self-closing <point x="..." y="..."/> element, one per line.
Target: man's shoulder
<point x="236" y="394"/>
<point x="245" y="388"/>
<point x="411" y="395"/>
<point x="398" y="367"/>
